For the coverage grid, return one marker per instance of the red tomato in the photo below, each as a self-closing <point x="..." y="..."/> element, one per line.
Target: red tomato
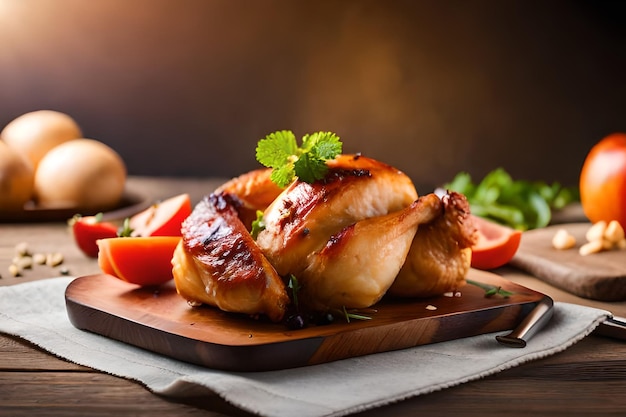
<point x="603" y="180"/>
<point x="162" y="219"/>
<point x="496" y="244"/>
<point x="138" y="260"/>
<point x="87" y="230"/>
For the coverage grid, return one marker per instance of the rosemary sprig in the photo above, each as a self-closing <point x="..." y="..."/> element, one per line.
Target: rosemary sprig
<point x="491" y="290"/>
<point x="348" y="315"/>
<point x="295" y="287"/>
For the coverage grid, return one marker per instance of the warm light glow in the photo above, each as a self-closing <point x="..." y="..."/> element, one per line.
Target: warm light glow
<point x="5" y="8"/>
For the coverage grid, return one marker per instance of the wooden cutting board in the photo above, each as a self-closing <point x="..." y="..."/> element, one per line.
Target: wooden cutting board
<point x="159" y="320"/>
<point x="599" y="276"/>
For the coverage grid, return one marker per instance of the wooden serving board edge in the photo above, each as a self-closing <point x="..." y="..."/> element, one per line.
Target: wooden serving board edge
<point x="357" y="340"/>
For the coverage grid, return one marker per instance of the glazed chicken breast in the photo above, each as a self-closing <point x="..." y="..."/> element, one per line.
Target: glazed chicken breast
<point x="301" y="220"/>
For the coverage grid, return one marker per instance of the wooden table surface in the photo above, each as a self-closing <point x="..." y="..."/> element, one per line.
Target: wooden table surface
<point x="586" y="379"/>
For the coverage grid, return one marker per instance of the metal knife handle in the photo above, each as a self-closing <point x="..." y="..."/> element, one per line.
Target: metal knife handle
<point x="532" y="323"/>
<point x="613" y="327"/>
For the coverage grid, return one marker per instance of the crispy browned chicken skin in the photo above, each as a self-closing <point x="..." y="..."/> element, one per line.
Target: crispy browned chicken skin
<point x="218" y="263"/>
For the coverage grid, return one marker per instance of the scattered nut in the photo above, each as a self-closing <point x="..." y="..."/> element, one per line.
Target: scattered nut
<point x="39" y="258"/>
<point x="54" y="259"/>
<point x="21" y="249"/>
<point x="614" y="232"/>
<point x="596" y="231"/>
<point x="431" y="307"/>
<point x="25" y="262"/>
<point x="14" y="270"/>
<point x="563" y="240"/>
<point x="588" y="248"/>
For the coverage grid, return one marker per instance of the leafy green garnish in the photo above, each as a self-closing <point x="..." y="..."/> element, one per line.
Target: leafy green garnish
<point x="125" y="230"/>
<point x="280" y="151"/>
<point x="519" y="204"/>
<point x="258" y="225"/>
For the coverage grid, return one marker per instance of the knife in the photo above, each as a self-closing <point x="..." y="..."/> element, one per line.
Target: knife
<point x="613" y="327"/>
<point x="532" y="323"/>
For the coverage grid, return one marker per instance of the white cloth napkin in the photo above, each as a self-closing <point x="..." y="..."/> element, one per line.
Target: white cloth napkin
<point x="36" y="312"/>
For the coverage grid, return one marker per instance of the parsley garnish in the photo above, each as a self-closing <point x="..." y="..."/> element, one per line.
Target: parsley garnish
<point x="280" y="151"/>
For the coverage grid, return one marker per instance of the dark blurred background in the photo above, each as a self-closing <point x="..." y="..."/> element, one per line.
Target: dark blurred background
<point x="187" y="87"/>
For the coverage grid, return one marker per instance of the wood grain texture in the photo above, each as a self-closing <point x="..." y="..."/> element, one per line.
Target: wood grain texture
<point x="599" y="276"/>
<point x="158" y="319"/>
<point x="586" y="379"/>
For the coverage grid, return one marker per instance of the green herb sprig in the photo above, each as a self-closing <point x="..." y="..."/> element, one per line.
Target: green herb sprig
<point x="258" y="225"/>
<point x="280" y="151"/>
<point x="351" y="315"/>
<point x="295" y="288"/>
<point x="491" y="290"/>
<point x="125" y="230"/>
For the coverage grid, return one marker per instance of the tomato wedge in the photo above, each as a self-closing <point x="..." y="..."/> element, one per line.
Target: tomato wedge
<point x="88" y="229"/>
<point x="162" y="219"/>
<point x="139" y="260"/>
<point x="496" y="244"/>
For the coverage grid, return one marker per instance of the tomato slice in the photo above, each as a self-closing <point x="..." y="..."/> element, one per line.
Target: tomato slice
<point x="496" y="244"/>
<point x="162" y="219"/>
<point x="87" y="230"/>
<point x="138" y="260"/>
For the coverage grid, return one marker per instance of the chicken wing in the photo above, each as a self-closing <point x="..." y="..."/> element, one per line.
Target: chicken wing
<point x="254" y="189"/>
<point x="440" y="254"/>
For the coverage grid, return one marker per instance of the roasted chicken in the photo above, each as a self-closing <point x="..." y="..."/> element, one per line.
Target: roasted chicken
<point x="349" y="239"/>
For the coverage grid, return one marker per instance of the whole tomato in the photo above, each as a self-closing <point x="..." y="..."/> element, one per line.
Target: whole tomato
<point x="603" y="180"/>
